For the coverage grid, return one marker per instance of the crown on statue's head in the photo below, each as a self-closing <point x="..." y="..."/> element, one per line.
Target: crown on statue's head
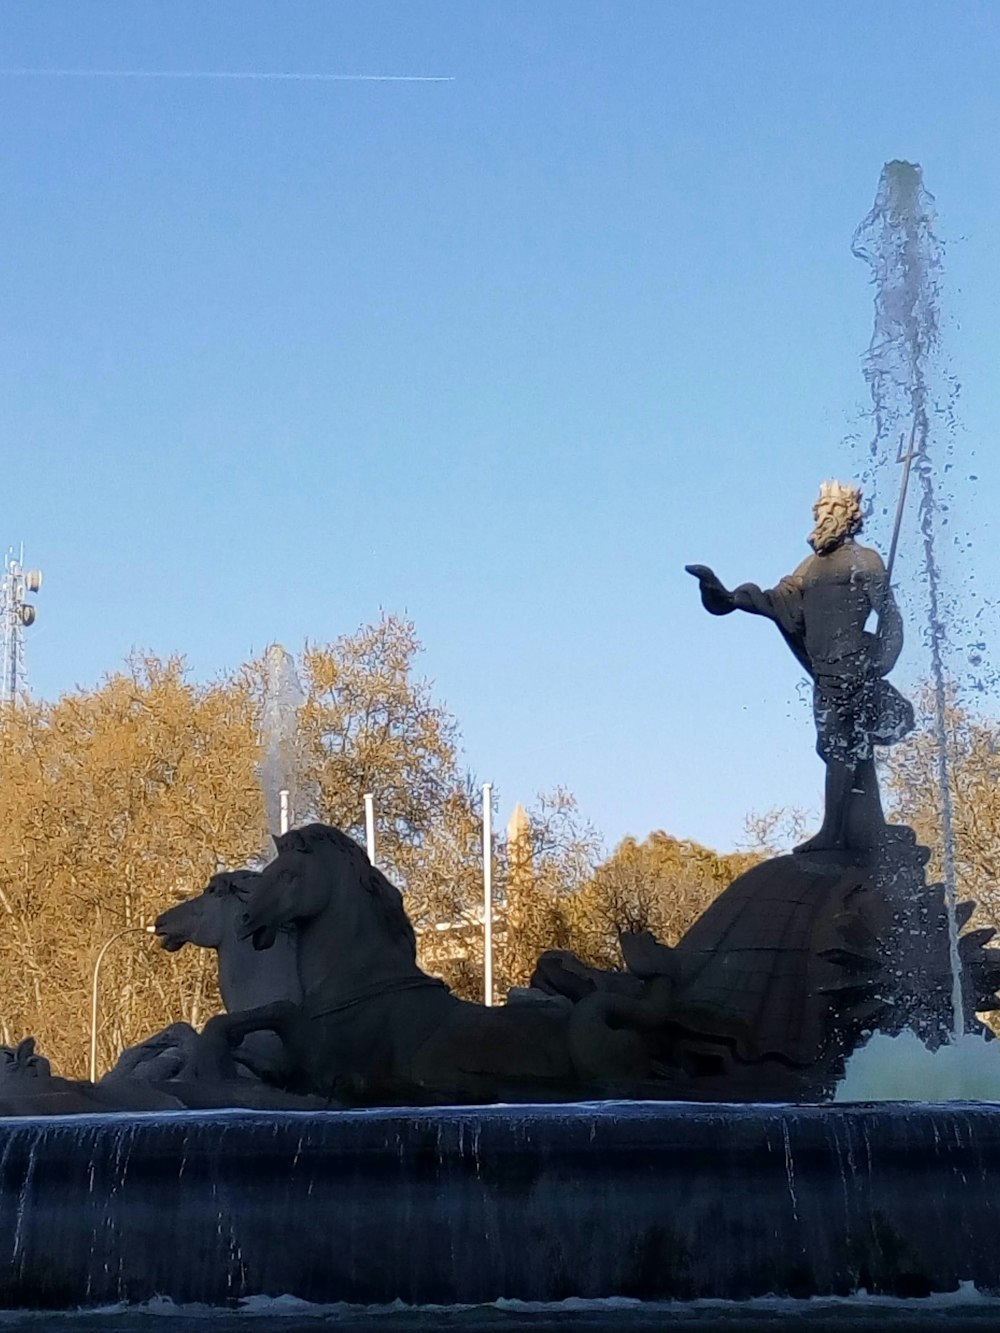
<point x="837" y="492"/>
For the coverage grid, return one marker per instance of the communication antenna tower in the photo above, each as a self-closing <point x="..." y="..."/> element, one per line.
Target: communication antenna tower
<point x="16" y="614"/>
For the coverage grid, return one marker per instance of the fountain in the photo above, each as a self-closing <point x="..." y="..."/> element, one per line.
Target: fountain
<point x="283" y="698"/>
<point x="897" y="241"/>
<point x="658" y="1132"/>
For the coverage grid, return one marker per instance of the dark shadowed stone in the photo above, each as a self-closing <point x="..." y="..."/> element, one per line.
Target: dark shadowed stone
<point x="757" y="954"/>
<point x="460" y="1205"/>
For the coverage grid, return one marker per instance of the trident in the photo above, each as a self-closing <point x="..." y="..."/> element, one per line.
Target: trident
<point x="907" y="461"/>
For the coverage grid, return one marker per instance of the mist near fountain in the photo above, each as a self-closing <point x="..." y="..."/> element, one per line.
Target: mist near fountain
<point x="903" y="1069"/>
<point x="283" y="699"/>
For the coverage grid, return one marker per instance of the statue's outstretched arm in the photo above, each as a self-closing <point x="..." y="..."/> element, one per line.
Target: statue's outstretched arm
<point x="715" y="597"/>
<point x="755" y="601"/>
<point x="770" y="602"/>
<point x="782" y="604"/>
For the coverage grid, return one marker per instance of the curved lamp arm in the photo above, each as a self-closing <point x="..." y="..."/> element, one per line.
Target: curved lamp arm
<point x="129" y="930"/>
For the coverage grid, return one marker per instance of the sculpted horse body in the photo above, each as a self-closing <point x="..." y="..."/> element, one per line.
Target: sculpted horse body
<point x="372" y="1020"/>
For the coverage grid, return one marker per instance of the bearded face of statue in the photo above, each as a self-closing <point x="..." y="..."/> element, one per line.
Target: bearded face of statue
<point x="837" y="513"/>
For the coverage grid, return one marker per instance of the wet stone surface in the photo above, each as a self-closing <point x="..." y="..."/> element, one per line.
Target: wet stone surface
<point x="459" y="1206"/>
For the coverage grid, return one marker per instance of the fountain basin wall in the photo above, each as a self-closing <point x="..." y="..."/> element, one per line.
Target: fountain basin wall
<point x="646" y="1200"/>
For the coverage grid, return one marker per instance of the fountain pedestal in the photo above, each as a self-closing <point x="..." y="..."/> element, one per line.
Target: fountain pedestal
<point x="640" y="1200"/>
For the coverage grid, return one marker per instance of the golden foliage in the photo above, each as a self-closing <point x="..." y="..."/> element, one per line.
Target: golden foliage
<point x="558" y="896"/>
<point x="540" y="876"/>
<point x="114" y="800"/>
<point x="662" y="884"/>
<point x="914" y="786"/>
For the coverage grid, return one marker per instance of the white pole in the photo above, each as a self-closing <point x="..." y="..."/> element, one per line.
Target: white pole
<point x="283" y="818"/>
<point x="488" y="893"/>
<point x="370" y="826"/>
<point x="149" y="930"/>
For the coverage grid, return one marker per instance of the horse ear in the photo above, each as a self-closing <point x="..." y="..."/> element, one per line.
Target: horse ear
<point x="292" y="841"/>
<point x="24" y="1051"/>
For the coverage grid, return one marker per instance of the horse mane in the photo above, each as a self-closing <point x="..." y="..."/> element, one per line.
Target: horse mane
<point x="387" y="897"/>
<point x="237" y="883"/>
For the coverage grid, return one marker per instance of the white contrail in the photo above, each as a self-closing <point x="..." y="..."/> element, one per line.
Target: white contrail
<point x="275" y="76"/>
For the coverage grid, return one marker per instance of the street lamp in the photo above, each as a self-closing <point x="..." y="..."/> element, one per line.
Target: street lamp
<point x="129" y="930"/>
<point x="370" y="826"/>
<point x="488" y="893"/>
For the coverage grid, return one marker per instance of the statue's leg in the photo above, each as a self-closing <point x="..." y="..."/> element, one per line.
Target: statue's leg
<point x="224" y="1032"/>
<point x="832" y="833"/>
<point x="834" y="742"/>
<point x="865" y="819"/>
<point x="232" y="1028"/>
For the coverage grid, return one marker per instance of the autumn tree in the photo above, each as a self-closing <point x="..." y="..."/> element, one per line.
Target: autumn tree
<point x="539" y="873"/>
<point x="558" y="892"/>
<point x="444" y="896"/>
<point x="913" y="781"/>
<point x="662" y="884"/>
<point x="370" y="724"/>
<point x="534" y="880"/>
<point x="114" y="801"/>
<point x="775" y="831"/>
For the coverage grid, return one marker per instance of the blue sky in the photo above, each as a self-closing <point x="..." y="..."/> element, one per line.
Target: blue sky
<point x="502" y="353"/>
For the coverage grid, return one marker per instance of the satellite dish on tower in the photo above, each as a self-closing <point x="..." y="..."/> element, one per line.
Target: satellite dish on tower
<point x="16" y="613"/>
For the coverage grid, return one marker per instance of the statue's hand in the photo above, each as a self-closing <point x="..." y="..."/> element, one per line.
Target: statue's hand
<point x="715" y="597"/>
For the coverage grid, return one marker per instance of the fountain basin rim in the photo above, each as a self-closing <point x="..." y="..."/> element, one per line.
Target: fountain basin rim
<point x="501" y="1111"/>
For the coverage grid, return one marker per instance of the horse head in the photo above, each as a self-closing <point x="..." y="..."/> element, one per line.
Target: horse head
<point x="320" y="871"/>
<point x="209" y="918"/>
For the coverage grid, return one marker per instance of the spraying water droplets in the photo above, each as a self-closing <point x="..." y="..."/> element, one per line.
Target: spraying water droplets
<point x="897" y="240"/>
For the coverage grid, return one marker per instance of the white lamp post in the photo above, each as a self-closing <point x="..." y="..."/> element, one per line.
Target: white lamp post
<point x="147" y="930"/>
<point x="370" y="826"/>
<point x="488" y="893"/>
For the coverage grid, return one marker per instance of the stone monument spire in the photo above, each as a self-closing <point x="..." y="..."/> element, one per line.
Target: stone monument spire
<point x="520" y="854"/>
